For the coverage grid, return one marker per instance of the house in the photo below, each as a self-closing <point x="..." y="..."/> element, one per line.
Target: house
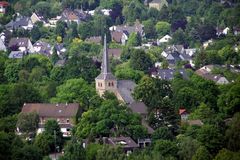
<point x="120" y="37"/>
<point x="20" y="22"/>
<point x="64" y="114"/>
<point x="2" y="46"/>
<point x="122" y="89"/>
<point x="115" y="53"/>
<point x="126" y="143"/>
<point x="52" y="22"/>
<point x="105" y="12"/>
<point x="139" y="107"/>
<point x="220" y="31"/>
<point x="236" y="31"/>
<point x="183" y="113"/>
<point x="136" y="28"/>
<point x="16" y="54"/>
<point x="60" y="48"/>
<point x="168" y="74"/>
<point x="164" y="39"/>
<point x="37" y="18"/>
<point x="43" y="48"/>
<point x="207" y="43"/>
<point x="21" y="44"/>
<point x="158" y="4"/>
<point x="5" y="36"/>
<point x="191" y="51"/>
<point x="205" y="72"/>
<point x="94" y="39"/>
<point x="76" y="15"/>
<point x="3" y="6"/>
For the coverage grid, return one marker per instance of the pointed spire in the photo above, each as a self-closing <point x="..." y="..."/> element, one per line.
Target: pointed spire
<point x="105" y="65"/>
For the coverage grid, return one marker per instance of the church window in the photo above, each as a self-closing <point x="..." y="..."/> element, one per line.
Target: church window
<point x="112" y="84"/>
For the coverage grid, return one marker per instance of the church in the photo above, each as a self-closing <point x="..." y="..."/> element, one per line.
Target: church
<point x="123" y="89"/>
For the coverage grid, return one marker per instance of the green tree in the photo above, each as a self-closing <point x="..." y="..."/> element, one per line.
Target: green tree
<point x="109" y="153"/>
<point x="166" y="148"/>
<point x="140" y="61"/>
<point x="60" y="29"/>
<point x="162" y="133"/>
<point x="149" y="28"/>
<point x="11" y="72"/>
<point x="225" y="154"/>
<point x="5" y="146"/>
<point x="45" y="142"/>
<point x="232" y="133"/>
<point x="28" y="122"/>
<point x="162" y="28"/>
<point x="134" y="40"/>
<point x="202" y="154"/>
<point x="28" y="152"/>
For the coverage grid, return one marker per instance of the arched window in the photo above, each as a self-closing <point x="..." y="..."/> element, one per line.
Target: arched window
<point x="112" y="84"/>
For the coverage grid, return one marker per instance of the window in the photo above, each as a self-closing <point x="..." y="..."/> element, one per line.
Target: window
<point x="67" y="120"/>
<point x="68" y="129"/>
<point x="112" y="84"/>
<point x="109" y="83"/>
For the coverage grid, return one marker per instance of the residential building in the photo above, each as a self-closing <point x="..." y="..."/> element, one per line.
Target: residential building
<point x="43" y="48"/>
<point x="168" y="74"/>
<point x="21" y="44"/>
<point x="76" y="15"/>
<point x="37" y="18"/>
<point x="3" y="6"/>
<point x="65" y="114"/>
<point x="158" y="4"/>
<point x="184" y="115"/>
<point x="20" y="22"/>
<point x="16" y="54"/>
<point x="164" y="39"/>
<point x="2" y="46"/>
<point x="120" y="37"/>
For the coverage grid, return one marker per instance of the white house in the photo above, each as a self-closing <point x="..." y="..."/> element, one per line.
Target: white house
<point x="164" y="39"/>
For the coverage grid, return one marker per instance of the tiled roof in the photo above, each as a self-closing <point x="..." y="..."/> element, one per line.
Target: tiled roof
<point x="124" y="142"/>
<point x="52" y="110"/>
<point x="138" y="107"/>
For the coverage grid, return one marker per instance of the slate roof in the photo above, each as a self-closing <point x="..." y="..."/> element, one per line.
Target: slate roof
<point x="19" y="42"/>
<point x="2" y="46"/>
<point x="124" y="142"/>
<point x="117" y="36"/>
<point x="168" y="74"/>
<point x="125" y="89"/>
<point x="16" y="54"/>
<point x="52" y="110"/>
<point x="45" y="48"/>
<point x="138" y="107"/>
<point x="19" y="22"/>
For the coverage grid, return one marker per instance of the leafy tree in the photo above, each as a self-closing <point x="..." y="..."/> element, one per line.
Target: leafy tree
<point x="202" y="154"/>
<point x="60" y="28"/>
<point x="202" y="112"/>
<point x="35" y="33"/>
<point x="8" y="124"/>
<point x="28" y="152"/>
<point x="225" y="154"/>
<point x="134" y="40"/>
<point x="11" y="72"/>
<point x="53" y="129"/>
<point x="74" y="151"/>
<point x="232" y="133"/>
<point x="187" y="147"/>
<point x="75" y="90"/>
<point x="45" y="142"/>
<point x="140" y="60"/>
<point x="28" y="122"/>
<point x="162" y="28"/>
<point x="149" y="28"/>
<point x="162" y="133"/>
<point x="166" y="148"/>
<point x="210" y="137"/>
<point x="92" y="150"/>
<point x="109" y="153"/>
<point x="5" y="146"/>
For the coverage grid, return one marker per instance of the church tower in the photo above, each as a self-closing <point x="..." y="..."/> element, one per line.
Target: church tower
<point x="105" y="81"/>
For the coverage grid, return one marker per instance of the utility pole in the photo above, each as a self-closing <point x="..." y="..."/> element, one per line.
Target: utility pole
<point x="55" y="144"/>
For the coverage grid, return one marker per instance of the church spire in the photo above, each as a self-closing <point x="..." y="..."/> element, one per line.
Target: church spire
<point x="105" y="62"/>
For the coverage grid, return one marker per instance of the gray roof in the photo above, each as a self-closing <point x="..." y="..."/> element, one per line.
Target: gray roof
<point x="138" y="107"/>
<point x="52" y="110"/>
<point x="124" y="142"/>
<point x="19" y="42"/>
<point x="16" y="54"/>
<point x="125" y="89"/>
<point x="168" y="74"/>
<point x="19" y="22"/>
<point x="46" y="48"/>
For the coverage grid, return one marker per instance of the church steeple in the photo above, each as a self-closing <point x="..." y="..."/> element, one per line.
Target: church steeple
<point x="105" y="62"/>
<point x="105" y="81"/>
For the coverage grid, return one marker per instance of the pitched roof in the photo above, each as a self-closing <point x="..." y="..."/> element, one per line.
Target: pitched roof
<point x="124" y="142"/>
<point x="20" y="42"/>
<point x="168" y="74"/>
<point x="138" y="107"/>
<point x="19" y="22"/>
<point x="181" y="111"/>
<point x="117" y="36"/>
<point x="45" y="48"/>
<point x="125" y="89"/>
<point x="52" y="110"/>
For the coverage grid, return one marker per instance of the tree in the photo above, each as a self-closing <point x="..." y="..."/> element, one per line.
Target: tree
<point x="233" y="132"/>
<point x="28" y="152"/>
<point x="210" y="137"/>
<point x="202" y="112"/>
<point x="28" y="122"/>
<point x="75" y="90"/>
<point x="11" y="72"/>
<point x="35" y="33"/>
<point x="162" y="133"/>
<point x="162" y="28"/>
<point x="5" y="146"/>
<point x="149" y="28"/>
<point x="202" y="154"/>
<point x="60" y="28"/>
<point x="166" y="148"/>
<point x="109" y="153"/>
<point x="140" y="61"/>
<point x="134" y="40"/>
<point x="225" y="154"/>
<point x="53" y="129"/>
<point x="45" y="142"/>
<point x="74" y="151"/>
